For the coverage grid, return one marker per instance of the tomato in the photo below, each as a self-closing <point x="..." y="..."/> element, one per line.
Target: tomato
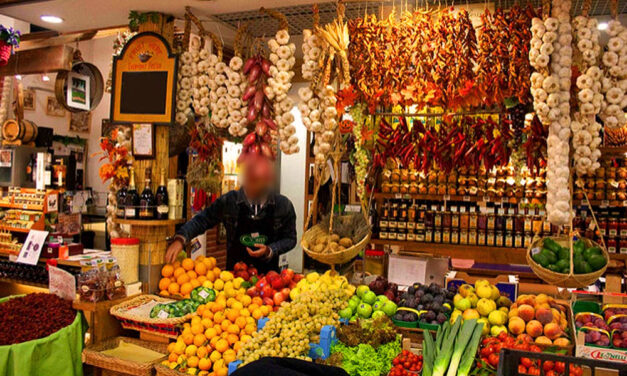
<point x="560" y="367"/>
<point x="526" y="362"/>
<point x="534" y="348"/>
<point x="486" y="351"/>
<point x="550" y="373"/>
<point x="548" y="365"/>
<point x="493" y="360"/>
<point x="522" y="369"/>
<point x="533" y="371"/>
<point x="575" y="370"/>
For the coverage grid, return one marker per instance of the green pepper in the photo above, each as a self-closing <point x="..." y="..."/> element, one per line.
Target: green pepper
<point x="582" y="267"/>
<point x="592" y="251"/>
<point x="597" y="262"/>
<point x="541" y="259"/>
<point x="563" y="254"/>
<point x="194" y="295"/>
<point x="203" y="295"/>
<point x="563" y="264"/>
<point x="579" y="246"/>
<point x="553" y="268"/>
<point x="551" y="244"/>
<point x="155" y="310"/>
<point x="550" y="255"/>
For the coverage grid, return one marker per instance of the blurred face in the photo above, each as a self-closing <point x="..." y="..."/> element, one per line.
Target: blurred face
<point x="258" y="177"/>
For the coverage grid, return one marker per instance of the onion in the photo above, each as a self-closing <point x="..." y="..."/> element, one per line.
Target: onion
<point x="254" y="73"/>
<point x="249" y="140"/>
<point x="270" y="123"/>
<point x="252" y="113"/>
<point x="249" y="64"/>
<point x="261" y="128"/>
<point x="266" y="111"/>
<point x="250" y="91"/>
<point x="265" y="67"/>
<point x="265" y="149"/>
<point x="258" y="101"/>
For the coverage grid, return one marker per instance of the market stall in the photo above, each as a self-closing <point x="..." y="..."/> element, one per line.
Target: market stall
<point x="462" y="209"/>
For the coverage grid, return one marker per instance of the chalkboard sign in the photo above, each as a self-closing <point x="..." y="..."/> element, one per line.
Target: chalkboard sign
<point x="144" y="92"/>
<point x="144" y="74"/>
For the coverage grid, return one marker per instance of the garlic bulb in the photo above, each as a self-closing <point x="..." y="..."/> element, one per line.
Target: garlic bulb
<point x="584" y="127"/>
<point x="614" y="82"/>
<point x="329" y="124"/>
<point x="201" y="81"/>
<point x="280" y="82"/>
<point x="557" y="88"/>
<point x="187" y="66"/>
<point x="236" y="106"/>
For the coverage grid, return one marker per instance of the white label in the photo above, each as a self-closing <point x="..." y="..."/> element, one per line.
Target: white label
<point x="29" y="254"/>
<point x="61" y="283"/>
<point x="283" y="260"/>
<point x="466" y="198"/>
<point x="447" y="197"/>
<point x="203" y="294"/>
<point x="163" y="314"/>
<point x="605" y="203"/>
<point x="130" y="212"/>
<point x="162" y="209"/>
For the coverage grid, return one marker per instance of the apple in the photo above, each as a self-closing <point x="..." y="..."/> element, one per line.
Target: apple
<point x="377" y="314"/>
<point x="377" y="306"/>
<point x="277" y="283"/>
<point x="278" y="298"/>
<point x="361" y="290"/>
<point x="240" y="266"/>
<point x="389" y="308"/>
<point x="271" y="275"/>
<point x="297" y="277"/>
<point x="261" y="283"/>
<point x="352" y="304"/>
<point x="369" y="298"/>
<point x="268" y="301"/>
<point x="364" y="310"/>
<point x="292" y="285"/>
<point x="287" y="275"/>
<point x="382" y="298"/>
<point x="346" y="313"/>
<point x="267" y="291"/>
<point x="252" y="292"/>
<point x="252" y="271"/>
<point x="243" y="274"/>
<point x="285" y="292"/>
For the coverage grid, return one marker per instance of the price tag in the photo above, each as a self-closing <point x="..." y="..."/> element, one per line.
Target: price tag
<point x="398" y="195"/>
<point x="466" y="198"/>
<point x="624" y="203"/>
<point x="61" y="283"/>
<point x="163" y="314"/>
<point x="203" y="294"/>
<point x="29" y="254"/>
<point x="283" y="260"/>
<point x="605" y="203"/>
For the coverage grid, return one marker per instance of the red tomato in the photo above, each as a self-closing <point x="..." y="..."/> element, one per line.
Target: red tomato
<point x="533" y="371"/>
<point x="548" y="366"/>
<point x="493" y="359"/>
<point x="560" y="367"/>
<point x="526" y="362"/>
<point x="550" y="373"/>
<point x="535" y="348"/>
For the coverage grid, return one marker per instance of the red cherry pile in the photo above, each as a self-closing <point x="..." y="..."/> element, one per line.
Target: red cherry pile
<point x="406" y="364"/>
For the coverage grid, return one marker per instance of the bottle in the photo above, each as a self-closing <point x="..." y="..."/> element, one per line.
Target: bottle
<point x="121" y="200"/>
<point x="48" y="171"/>
<point x="162" y="198"/>
<point x="132" y="198"/>
<point x="310" y="182"/>
<point x="147" y="199"/>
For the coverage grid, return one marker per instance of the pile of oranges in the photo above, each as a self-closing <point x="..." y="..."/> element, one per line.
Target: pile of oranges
<point x="183" y="276"/>
<point x="210" y="341"/>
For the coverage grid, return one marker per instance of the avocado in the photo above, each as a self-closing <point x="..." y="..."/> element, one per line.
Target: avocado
<point x="597" y="262"/>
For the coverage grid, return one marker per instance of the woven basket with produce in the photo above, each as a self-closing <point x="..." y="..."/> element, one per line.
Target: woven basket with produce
<point x="566" y="262"/>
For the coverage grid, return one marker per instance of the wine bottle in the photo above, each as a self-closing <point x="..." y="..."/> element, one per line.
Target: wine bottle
<point x="162" y="198"/>
<point x="121" y="201"/>
<point x="147" y="199"/>
<point x="132" y="198"/>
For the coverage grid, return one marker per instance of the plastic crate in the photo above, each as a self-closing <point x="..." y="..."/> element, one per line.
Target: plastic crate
<point x="510" y="359"/>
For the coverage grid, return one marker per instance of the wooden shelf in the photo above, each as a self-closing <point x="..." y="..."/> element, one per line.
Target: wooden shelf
<point x="618" y="256"/>
<point x="481" y="254"/>
<point x="436" y="197"/>
<point x="144" y="222"/>
<point x="17" y="229"/>
<point x="25" y="283"/>
<point x="21" y="206"/>
<point x="613" y="152"/>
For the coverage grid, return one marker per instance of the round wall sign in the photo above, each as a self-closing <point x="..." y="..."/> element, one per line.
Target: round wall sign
<point x="81" y="88"/>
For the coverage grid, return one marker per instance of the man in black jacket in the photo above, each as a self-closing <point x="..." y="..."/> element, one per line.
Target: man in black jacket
<point x="253" y="212"/>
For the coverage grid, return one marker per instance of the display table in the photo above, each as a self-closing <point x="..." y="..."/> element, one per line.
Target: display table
<point x="101" y="324"/>
<point x="58" y="354"/>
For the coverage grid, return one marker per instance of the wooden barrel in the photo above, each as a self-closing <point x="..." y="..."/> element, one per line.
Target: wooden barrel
<point x="25" y="131"/>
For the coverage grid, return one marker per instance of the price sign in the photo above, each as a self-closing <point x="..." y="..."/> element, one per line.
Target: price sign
<point x="29" y="254"/>
<point x="61" y="283"/>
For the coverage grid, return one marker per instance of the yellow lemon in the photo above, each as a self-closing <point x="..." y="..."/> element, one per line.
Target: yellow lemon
<point x="237" y="282"/>
<point x="226" y="275"/>
<point x="218" y="284"/>
<point x="207" y="284"/>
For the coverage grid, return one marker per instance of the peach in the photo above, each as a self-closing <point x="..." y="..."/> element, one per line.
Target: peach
<point x="524" y="338"/>
<point x="552" y="330"/>
<point x="542" y="340"/>
<point x="562" y="342"/>
<point x="542" y="305"/>
<point x="563" y="323"/>
<point x="526" y="299"/>
<point x="534" y="328"/>
<point x="513" y="313"/>
<point x="542" y="298"/>
<point x="544" y="315"/>
<point x="516" y="325"/>
<point x="513" y="306"/>
<point x="526" y="312"/>
<point x="556" y="315"/>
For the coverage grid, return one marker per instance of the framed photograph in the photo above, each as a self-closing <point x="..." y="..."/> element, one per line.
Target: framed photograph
<point x="78" y="91"/>
<point x="54" y="108"/>
<point x="80" y="121"/>
<point x="30" y="99"/>
<point x="143" y="141"/>
<point x="6" y="157"/>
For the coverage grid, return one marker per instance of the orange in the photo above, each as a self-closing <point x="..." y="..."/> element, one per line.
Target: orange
<point x="216" y="271"/>
<point x="200" y="268"/>
<point x="192" y="274"/>
<point x="207" y="314"/>
<point x="171" y="347"/>
<point x="265" y="310"/>
<point x="232" y="338"/>
<point x="202" y="352"/>
<point x="197" y="328"/>
<point x="173" y="356"/>
<point x="199" y="339"/>
<point x="213" y="342"/>
<point x="178" y="271"/>
<point x="191" y="350"/>
<point x="246" y="300"/>
<point x="173" y="288"/>
<point x="224" y="335"/>
<point x="210" y="333"/>
<point x="210" y="276"/>
<point x="167" y="270"/>
<point x="237" y="345"/>
<point x="232" y="315"/>
<point x="240" y="322"/>
<point x="257" y="300"/>
<point x="206" y="323"/>
<point x="245" y="338"/>
<point x="202" y="279"/>
<point x="192" y="361"/>
<point x="229" y="356"/>
<point x="217" y="307"/>
<point x="204" y="364"/>
<point x="183" y="278"/>
<point x="223" y="371"/>
<point x="164" y="293"/>
<point x="187" y="264"/>
<point x="218" y="329"/>
<point x="233" y="329"/>
<point x="212" y="261"/>
<point x="252" y="307"/>
<point x="257" y="314"/>
<point x="201" y="309"/>
<point x="215" y="356"/>
<point x="222" y="345"/>
<point x="218" y="317"/>
<point x="249" y="328"/>
<point x="195" y="283"/>
<point x="219" y="364"/>
<point x="186" y="288"/>
<point x="188" y="338"/>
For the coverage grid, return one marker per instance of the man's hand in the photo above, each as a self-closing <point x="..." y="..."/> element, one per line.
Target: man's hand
<point x="262" y="251"/>
<point x="173" y="250"/>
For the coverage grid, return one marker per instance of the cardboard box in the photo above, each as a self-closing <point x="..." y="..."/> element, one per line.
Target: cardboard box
<point x="406" y="270"/>
<point x="507" y="284"/>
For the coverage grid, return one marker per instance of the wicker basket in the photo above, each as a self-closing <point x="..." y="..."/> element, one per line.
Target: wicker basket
<point x="331" y="258"/>
<point x="165" y="371"/>
<point x="570" y="280"/>
<point x="169" y="327"/>
<point x="93" y="355"/>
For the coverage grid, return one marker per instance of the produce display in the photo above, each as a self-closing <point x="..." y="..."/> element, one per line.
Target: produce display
<point x="483" y="302"/>
<point x="607" y="329"/>
<point x="199" y="295"/>
<point x="556" y="258"/>
<point x="541" y="318"/>
<point x="366" y="304"/>
<point x="181" y="277"/>
<point x="295" y="325"/>
<point x="432" y="302"/>
<point x="33" y="316"/>
<point x="406" y="364"/>
<point x="273" y="288"/>
<point x="327" y="281"/>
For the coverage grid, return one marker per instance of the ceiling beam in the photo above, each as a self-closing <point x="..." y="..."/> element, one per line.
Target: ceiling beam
<point x="7" y="3"/>
<point x="44" y="60"/>
<point x="52" y="38"/>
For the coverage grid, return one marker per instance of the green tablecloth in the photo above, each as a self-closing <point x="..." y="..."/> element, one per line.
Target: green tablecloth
<point x="59" y="354"/>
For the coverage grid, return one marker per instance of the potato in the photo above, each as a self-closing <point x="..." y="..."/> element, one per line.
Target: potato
<point x="333" y="246"/>
<point x="305" y="243"/>
<point x="340" y="248"/>
<point x="318" y="248"/>
<point x="346" y="242"/>
<point x="334" y="238"/>
<point x="322" y="239"/>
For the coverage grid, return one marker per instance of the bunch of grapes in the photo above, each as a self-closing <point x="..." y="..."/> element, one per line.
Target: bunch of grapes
<point x="290" y="330"/>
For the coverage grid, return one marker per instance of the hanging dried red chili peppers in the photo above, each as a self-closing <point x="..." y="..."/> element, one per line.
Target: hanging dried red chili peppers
<point x="519" y="81"/>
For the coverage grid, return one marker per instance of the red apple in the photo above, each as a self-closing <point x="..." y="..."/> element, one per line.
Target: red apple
<point x="286" y="293"/>
<point x="298" y="277"/>
<point x="272" y="274"/>
<point x="240" y="266"/>
<point x="244" y="275"/>
<point x="277" y="283"/>
<point x="252" y="271"/>
<point x="267" y="291"/>
<point x="252" y="292"/>
<point x="268" y="301"/>
<point x="261" y="283"/>
<point x="278" y="298"/>
<point x="287" y="275"/>
<point x="292" y="285"/>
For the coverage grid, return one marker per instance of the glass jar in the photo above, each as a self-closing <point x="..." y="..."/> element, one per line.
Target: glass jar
<point x="612" y="228"/>
<point x="509" y="239"/>
<point x="472" y="237"/>
<point x="437" y="236"/>
<point x="489" y="240"/>
<point x="611" y="245"/>
<point x="454" y="237"/>
<point x="463" y="237"/>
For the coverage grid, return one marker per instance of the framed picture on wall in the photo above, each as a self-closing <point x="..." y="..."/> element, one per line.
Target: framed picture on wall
<point x="143" y="141"/>
<point x="54" y="108"/>
<point x="30" y="99"/>
<point x="78" y="91"/>
<point x="80" y="121"/>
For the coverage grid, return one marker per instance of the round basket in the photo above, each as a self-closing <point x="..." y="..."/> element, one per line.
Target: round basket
<point x="331" y="258"/>
<point x="570" y="280"/>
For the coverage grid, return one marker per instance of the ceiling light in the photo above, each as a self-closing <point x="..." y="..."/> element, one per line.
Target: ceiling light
<point x="51" y="19"/>
<point x="602" y="26"/>
<point x="45" y="78"/>
<point x="18" y="76"/>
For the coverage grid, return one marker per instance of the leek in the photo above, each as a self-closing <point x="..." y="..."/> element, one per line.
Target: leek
<point x="438" y="338"/>
<point x="427" y="354"/>
<point x="460" y="344"/>
<point x="471" y="351"/>
<point x="446" y="352"/>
